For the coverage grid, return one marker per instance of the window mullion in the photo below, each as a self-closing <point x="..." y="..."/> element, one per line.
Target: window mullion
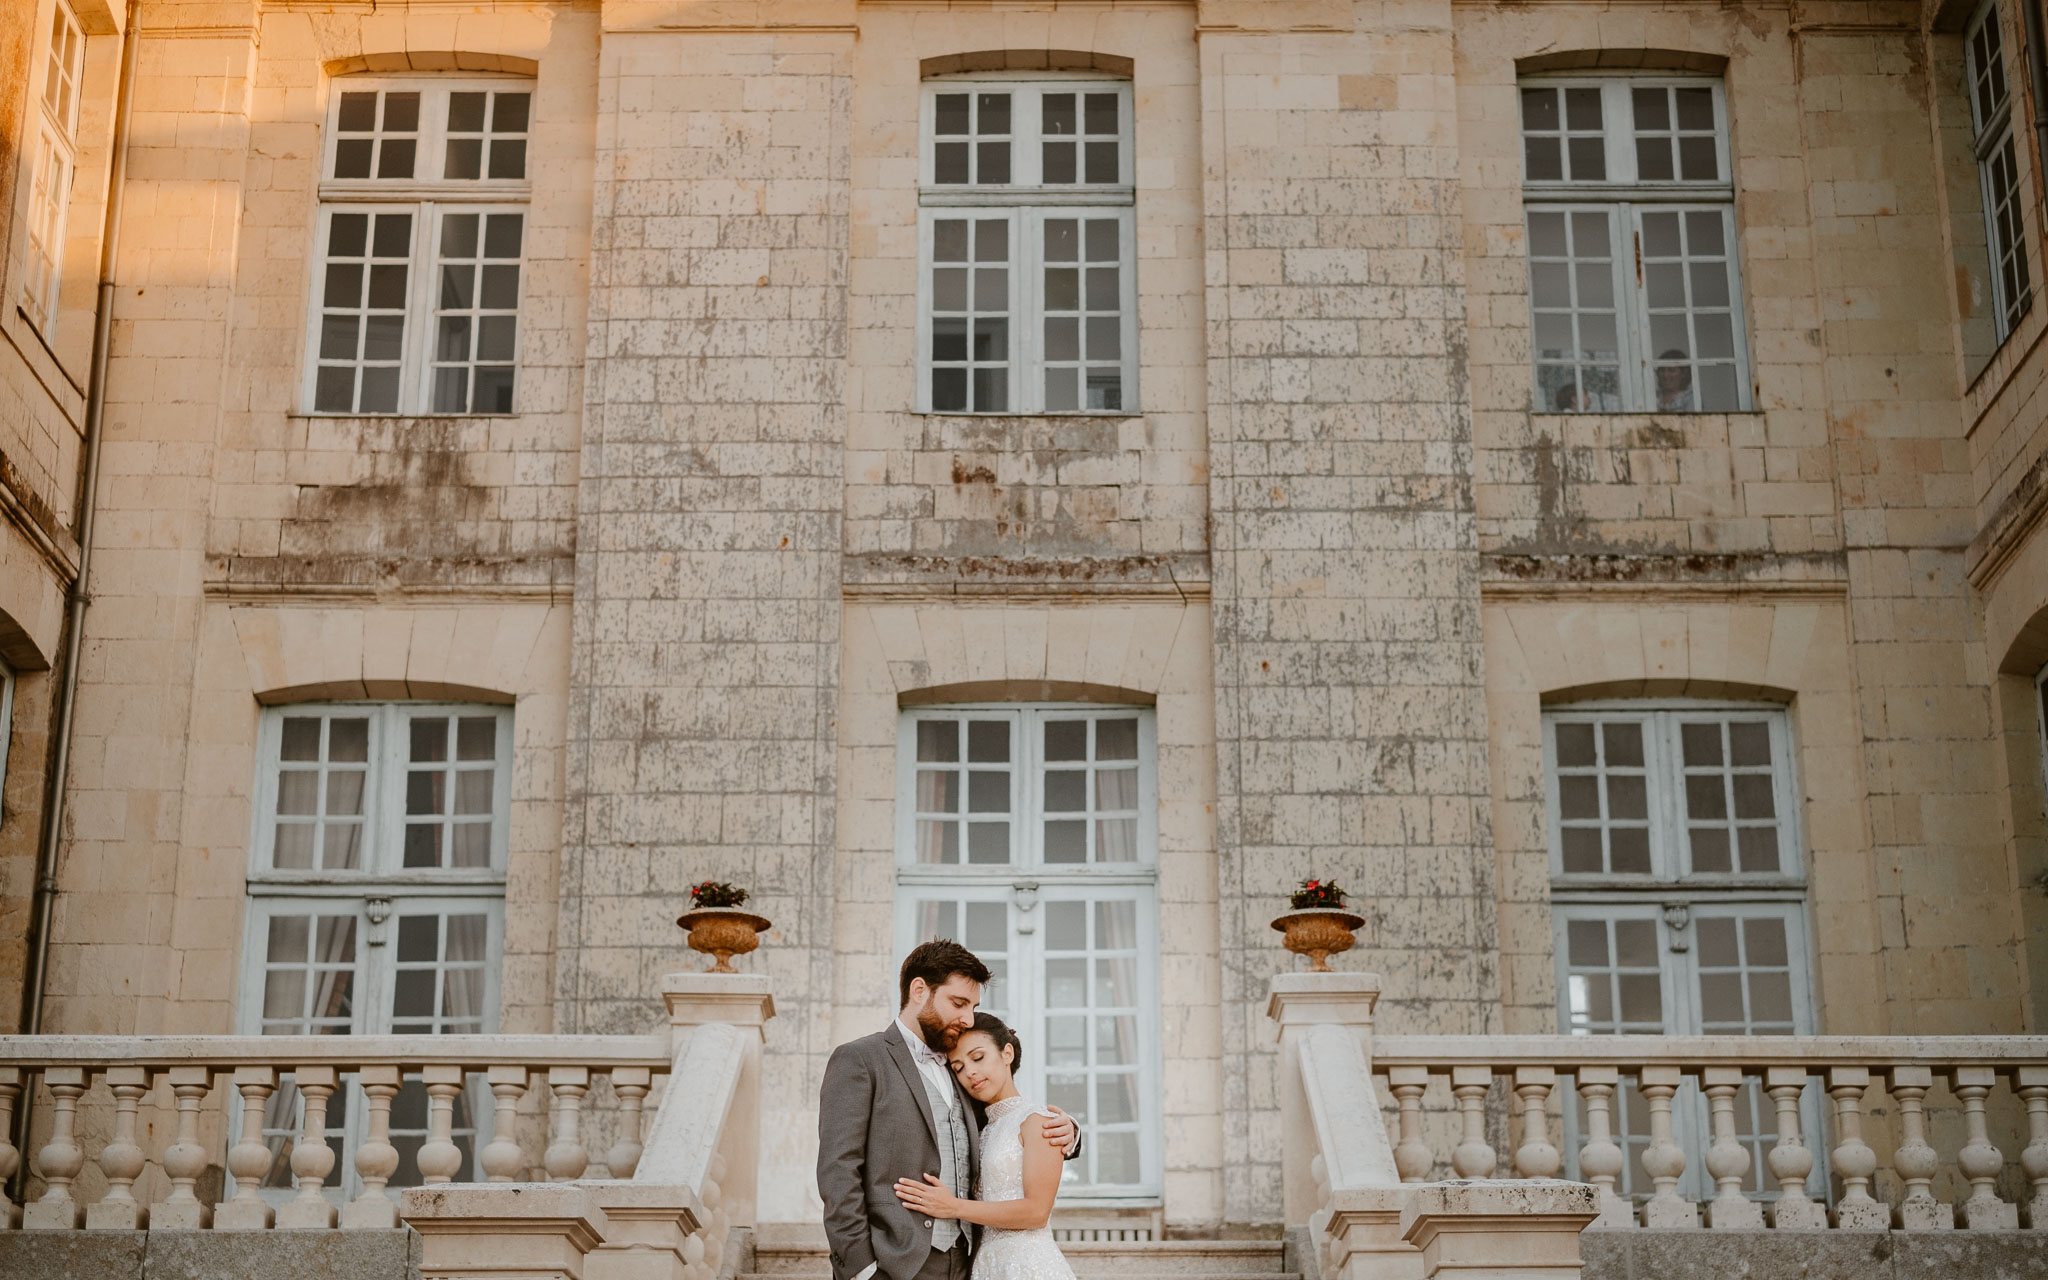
<point x="1642" y="397"/>
<point x="1027" y="159"/>
<point x="420" y="312"/>
<point x="389" y="782"/>
<point x="1667" y="849"/>
<point x="1617" y="126"/>
<point x="1027" y="230"/>
<point x="1027" y="851"/>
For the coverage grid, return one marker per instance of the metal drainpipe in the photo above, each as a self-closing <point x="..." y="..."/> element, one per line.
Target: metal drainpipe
<point x="74" y="620"/>
<point x="2037" y="72"/>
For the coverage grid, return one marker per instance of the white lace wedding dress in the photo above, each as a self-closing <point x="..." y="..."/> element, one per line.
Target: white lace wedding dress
<point x="1012" y="1255"/>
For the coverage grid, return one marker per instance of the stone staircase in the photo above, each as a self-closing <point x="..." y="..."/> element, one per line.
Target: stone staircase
<point x="786" y="1254"/>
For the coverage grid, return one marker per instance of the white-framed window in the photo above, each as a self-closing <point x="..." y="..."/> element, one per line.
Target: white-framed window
<point x="420" y="247"/>
<point x="1678" y="899"/>
<point x="1027" y="233"/>
<point x="56" y="162"/>
<point x="1635" y="291"/>
<point x="377" y="896"/>
<point x="1030" y="834"/>
<point x="1998" y="171"/>
<point x="1696" y="793"/>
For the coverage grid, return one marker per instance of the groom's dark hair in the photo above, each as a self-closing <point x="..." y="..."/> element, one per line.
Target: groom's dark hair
<point x="936" y="961"/>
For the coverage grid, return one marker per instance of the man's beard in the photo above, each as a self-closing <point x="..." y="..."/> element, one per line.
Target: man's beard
<point x="933" y="1028"/>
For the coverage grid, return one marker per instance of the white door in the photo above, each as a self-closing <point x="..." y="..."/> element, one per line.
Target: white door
<point x="1028" y="834"/>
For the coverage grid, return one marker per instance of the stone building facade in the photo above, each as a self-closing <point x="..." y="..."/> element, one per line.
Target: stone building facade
<point x="1568" y="473"/>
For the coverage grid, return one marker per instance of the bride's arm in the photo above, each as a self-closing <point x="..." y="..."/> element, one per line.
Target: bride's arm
<point x="1041" y="1184"/>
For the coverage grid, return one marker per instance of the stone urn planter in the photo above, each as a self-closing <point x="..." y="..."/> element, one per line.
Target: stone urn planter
<point x="722" y="933"/>
<point x="1318" y="933"/>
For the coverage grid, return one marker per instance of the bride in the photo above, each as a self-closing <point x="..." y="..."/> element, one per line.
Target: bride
<point x="1020" y="1169"/>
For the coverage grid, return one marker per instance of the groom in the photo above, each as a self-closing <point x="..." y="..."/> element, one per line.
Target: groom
<point x="890" y="1108"/>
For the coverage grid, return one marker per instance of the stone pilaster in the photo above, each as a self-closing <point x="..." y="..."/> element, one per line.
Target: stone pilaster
<point x="704" y="670"/>
<point x="1351" y="730"/>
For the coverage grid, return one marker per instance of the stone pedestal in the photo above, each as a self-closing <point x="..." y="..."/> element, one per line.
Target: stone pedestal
<point x="1525" y="1230"/>
<point x="527" y="1230"/>
<point x="649" y="1225"/>
<point x="745" y="1002"/>
<point x="1297" y="1002"/>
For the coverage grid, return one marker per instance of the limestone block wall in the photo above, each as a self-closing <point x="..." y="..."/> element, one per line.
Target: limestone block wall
<point x="1942" y="876"/>
<point x="705" y="660"/>
<point x="1351" y="735"/>
<point x="115" y="962"/>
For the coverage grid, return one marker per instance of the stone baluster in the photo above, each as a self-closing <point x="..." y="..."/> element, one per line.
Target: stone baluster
<point x="714" y="1200"/>
<point x="1474" y="1157"/>
<point x="10" y="1159"/>
<point x="2031" y="1083"/>
<point x="1853" y="1159"/>
<point x="1790" y="1159"/>
<point x="249" y="1158"/>
<point x="1536" y="1157"/>
<point x="122" y="1158"/>
<point x="1600" y="1157"/>
<point x="1664" y="1159"/>
<point x="1915" y="1160"/>
<point x="631" y="1085"/>
<point x="1980" y="1160"/>
<point x="376" y="1158"/>
<point x="312" y="1158"/>
<point x="1727" y="1159"/>
<point x="1412" y="1156"/>
<point x="566" y="1158"/>
<point x="501" y="1158"/>
<point x="184" y="1160"/>
<point x="439" y="1159"/>
<point x="62" y="1157"/>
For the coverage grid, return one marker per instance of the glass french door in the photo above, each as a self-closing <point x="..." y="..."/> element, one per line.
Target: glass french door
<point x="1029" y="835"/>
<point x="1707" y="968"/>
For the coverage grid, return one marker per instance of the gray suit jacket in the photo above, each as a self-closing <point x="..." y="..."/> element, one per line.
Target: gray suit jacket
<point x="875" y="1125"/>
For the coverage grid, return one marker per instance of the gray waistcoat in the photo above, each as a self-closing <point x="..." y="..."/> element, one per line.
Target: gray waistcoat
<point x="952" y="1124"/>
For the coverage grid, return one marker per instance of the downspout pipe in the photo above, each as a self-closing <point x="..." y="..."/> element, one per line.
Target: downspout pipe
<point x="45" y="893"/>
<point x="2037" y="75"/>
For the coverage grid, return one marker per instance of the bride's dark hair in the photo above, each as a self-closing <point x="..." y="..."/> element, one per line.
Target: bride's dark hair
<point x="999" y="1031"/>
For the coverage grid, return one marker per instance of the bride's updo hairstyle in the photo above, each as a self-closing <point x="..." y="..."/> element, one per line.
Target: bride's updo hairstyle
<point x="999" y="1031"/>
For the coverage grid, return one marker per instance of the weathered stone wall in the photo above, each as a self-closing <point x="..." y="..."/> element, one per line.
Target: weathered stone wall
<point x="706" y="654"/>
<point x="1351" y="737"/>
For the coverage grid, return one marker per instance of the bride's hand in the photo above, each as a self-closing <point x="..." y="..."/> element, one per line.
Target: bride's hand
<point x="930" y="1197"/>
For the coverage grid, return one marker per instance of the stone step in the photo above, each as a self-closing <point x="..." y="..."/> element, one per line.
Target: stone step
<point x="1082" y="1271"/>
<point x="1091" y="1259"/>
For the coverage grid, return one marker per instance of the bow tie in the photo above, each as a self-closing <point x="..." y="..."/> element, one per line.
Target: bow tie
<point x="925" y="1053"/>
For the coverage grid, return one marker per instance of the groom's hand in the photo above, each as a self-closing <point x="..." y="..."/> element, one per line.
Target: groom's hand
<point x="1060" y="1132"/>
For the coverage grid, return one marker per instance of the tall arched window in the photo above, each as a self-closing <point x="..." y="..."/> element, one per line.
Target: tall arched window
<point x="377" y="893"/>
<point x="1030" y="834"/>
<point x="1678" y="895"/>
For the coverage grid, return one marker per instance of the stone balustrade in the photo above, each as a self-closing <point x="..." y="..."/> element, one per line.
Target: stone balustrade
<point x="1992" y="1093"/>
<point x="1857" y="1133"/>
<point x="205" y="1087"/>
<point x="677" y="1187"/>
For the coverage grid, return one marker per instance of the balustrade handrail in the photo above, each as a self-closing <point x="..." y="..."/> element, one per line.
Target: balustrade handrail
<point x="1504" y="1053"/>
<point x="540" y="1052"/>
